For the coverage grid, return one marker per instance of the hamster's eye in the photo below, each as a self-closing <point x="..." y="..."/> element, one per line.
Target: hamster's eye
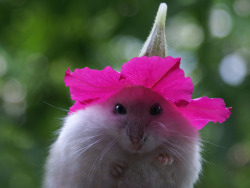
<point x="119" y="109"/>
<point x="155" y="109"/>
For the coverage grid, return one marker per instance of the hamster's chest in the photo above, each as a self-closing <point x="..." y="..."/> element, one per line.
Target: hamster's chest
<point x="140" y="170"/>
<point x="147" y="174"/>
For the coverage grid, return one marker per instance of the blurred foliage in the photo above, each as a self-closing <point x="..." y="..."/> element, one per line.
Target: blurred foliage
<point x="40" y="39"/>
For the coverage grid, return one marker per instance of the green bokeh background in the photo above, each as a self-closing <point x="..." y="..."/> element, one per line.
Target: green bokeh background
<point x="39" y="39"/>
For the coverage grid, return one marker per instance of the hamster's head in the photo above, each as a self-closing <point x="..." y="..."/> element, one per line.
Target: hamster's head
<point x="140" y="120"/>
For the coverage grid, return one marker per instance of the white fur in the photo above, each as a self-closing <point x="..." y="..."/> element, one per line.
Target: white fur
<point x="93" y="139"/>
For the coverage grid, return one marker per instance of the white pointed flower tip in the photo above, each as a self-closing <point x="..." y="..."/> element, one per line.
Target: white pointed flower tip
<point x="161" y="14"/>
<point x="155" y="44"/>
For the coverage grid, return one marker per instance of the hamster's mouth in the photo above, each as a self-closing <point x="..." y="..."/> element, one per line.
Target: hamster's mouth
<point x="135" y="146"/>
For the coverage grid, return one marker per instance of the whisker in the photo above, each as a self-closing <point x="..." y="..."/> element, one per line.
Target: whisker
<point x="178" y="134"/>
<point x="178" y="155"/>
<point x="204" y="141"/>
<point x="84" y="149"/>
<point x="177" y="147"/>
<point x="83" y="140"/>
<point x="62" y="109"/>
<point x="179" y="152"/>
<point x="98" y="161"/>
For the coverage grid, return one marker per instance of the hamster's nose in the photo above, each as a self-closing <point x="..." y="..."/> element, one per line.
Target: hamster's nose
<point x="135" y="140"/>
<point x="136" y="143"/>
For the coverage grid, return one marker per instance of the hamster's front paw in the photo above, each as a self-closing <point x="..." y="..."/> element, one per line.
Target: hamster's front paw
<point x="117" y="169"/>
<point x="164" y="159"/>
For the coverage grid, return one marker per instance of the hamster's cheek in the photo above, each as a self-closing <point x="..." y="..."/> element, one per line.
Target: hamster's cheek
<point x="151" y="144"/>
<point x="122" y="139"/>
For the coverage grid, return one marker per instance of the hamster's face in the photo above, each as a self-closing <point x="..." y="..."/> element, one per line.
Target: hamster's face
<point x="140" y="120"/>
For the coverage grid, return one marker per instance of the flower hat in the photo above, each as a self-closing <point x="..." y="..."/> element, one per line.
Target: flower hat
<point x="160" y="74"/>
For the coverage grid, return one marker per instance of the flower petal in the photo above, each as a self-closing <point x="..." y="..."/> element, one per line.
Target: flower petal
<point x="203" y="110"/>
<point x="91" y="85"/>
<point x="162" y="75"/>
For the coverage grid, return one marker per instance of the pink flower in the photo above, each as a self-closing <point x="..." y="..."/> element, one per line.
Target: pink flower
<point x="161" y="75"/>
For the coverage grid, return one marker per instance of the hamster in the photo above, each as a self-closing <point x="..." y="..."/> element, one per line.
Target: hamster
<point x="134" y="139"/>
